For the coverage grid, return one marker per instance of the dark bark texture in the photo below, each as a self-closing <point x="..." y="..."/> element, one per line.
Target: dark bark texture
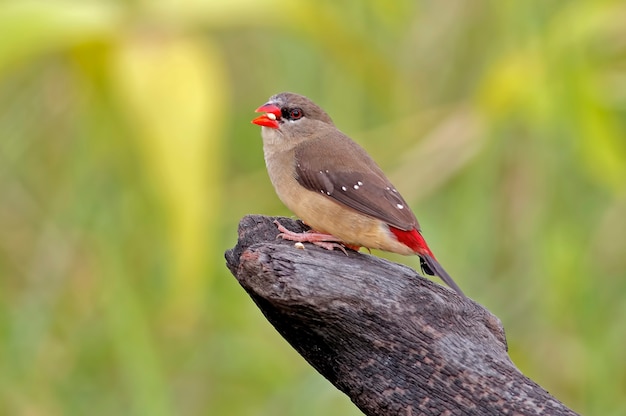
<point x="394" y="342"/>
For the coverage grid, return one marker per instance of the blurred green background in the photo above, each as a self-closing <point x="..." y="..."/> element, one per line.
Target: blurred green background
<point x="127" y="158"/>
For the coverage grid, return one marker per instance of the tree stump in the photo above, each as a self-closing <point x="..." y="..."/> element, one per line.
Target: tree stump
<point x="393" y="341"/>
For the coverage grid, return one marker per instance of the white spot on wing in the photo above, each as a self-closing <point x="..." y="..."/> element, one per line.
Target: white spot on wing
<point x="400" y="206"/>
<point x="343" y="188"/>
<point x="359" y="183"/>
<point x="356" y="186"/>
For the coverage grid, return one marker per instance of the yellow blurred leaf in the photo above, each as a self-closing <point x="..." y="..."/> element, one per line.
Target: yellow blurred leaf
<point x="173" y="87"/>
<point x="32" y="27"/>
<point x="512" y="82"/>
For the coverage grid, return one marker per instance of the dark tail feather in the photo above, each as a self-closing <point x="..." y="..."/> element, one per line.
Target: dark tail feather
<point x="432" y="267"/>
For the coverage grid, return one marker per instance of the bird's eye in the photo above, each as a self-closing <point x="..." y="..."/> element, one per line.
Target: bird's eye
<point x="295" y="113"/>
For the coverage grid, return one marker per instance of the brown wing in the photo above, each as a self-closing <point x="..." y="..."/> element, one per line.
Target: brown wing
<point x="341" y="170"/>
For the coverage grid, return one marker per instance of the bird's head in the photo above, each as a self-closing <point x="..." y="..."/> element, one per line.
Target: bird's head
<point x="293" y="116"/>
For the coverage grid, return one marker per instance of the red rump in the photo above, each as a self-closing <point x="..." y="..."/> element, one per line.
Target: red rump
<point x="412" y="239"/>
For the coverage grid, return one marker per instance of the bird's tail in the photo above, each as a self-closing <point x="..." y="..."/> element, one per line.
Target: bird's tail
<point x="432" y="267"/>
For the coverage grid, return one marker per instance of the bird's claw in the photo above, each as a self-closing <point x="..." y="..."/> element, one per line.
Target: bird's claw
<point x="326" y="241"/>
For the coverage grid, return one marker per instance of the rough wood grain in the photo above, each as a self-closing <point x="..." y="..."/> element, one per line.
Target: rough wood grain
<point x="393" y="341"/>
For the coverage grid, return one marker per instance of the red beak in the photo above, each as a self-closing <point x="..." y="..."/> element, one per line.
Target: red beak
<point x="267" y="120"/>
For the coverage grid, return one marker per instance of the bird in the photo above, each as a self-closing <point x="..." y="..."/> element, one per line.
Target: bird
<point x="332" y="184"/>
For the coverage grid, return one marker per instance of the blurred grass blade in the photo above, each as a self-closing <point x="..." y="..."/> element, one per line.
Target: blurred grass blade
<point x="173" y="89"/>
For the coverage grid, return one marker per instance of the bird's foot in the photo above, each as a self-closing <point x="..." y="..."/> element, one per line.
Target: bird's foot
<point x="327" y="241"/>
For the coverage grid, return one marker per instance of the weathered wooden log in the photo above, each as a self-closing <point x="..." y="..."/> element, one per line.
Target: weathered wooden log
<point x="393" y="341"/>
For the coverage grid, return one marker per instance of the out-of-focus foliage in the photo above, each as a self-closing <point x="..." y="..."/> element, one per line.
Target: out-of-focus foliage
<point x="127" y="159"/>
